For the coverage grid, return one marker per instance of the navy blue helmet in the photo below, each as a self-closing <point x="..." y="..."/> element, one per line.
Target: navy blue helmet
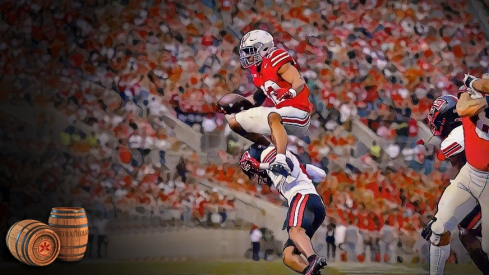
<point x="443" y="116"/>
<point x="255" y="151"/>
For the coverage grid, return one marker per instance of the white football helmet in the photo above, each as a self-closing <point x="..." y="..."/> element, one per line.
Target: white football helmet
<point x="256" y="43"/>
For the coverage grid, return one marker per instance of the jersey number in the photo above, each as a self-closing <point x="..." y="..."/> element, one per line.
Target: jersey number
<point x="269" y="87"/>
<point x="483" y="125"/>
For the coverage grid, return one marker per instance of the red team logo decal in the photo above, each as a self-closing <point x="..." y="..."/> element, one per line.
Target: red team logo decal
<point x="438" y="103"/>
<point x="245" y="165"/>
<point x="44" y="248"/>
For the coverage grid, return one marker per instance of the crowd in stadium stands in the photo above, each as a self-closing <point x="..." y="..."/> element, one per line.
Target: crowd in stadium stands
<point x="118" y="66"/>
<point x="38" y="174"/>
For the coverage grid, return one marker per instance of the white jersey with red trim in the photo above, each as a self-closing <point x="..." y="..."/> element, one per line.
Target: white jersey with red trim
<point x="454" y="144"/>
<point x="302" y="183"/>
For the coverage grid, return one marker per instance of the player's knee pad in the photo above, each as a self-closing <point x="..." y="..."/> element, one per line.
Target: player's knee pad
<point x="438" y="227"/>
<point x="440" y="239"/>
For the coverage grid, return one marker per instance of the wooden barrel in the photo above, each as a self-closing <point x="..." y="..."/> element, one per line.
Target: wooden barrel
<point x="70" y="223"/>
<point x="33" y="242"/>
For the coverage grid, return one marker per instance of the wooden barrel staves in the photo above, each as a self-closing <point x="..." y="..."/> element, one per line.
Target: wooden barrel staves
<point x="71" y="225"/>
<point x="33" y="243"/>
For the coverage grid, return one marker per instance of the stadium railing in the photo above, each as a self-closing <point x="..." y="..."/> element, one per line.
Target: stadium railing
<point x="256" y="210"/>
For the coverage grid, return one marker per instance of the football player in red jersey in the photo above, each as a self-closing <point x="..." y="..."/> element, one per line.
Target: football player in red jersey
<point x="445" y="123"/>
<point x="473" y="107"/>
<point x="276" y="75"/>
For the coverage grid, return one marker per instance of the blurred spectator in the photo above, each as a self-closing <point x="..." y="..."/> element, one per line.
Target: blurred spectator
<point x="181" y="170"/>
<point x="101" y="223"/>
<point x="156" y="108"/>
<point x="209" y="124"/>
<point x="375" y="151"/>
<point x="351" y="241"/>
<point x="392" y="150"/>
<point x="388" y="243"/>
<point x="162" y="159"/>
<point x="255" y="236"/>
<point x="92" y="230"/>
<point x="330" y="241"/>
<point x="92" y="140"/>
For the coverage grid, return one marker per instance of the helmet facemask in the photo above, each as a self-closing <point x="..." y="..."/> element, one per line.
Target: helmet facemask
<point x="263" y="178"/>
<point x="246" y="52"/>
<point x="441" y="128"/>
<point x="437" y="127"/>
<point x="252" y="173"/>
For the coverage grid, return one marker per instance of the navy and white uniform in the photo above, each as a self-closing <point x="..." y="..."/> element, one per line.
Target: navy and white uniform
<point x="456" y="205"/>
<point x="306" y="208"/>
<point x="453" y="146"/>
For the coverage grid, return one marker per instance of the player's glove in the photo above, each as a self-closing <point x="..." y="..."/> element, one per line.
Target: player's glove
<point x="469" y="81"/>
<point x="284" y="93"/>
<point x="473" y="93"/>
<point x="247" y="162"/>
<point x="426" y="233"/>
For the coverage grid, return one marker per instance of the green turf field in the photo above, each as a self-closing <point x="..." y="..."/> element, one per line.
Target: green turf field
<point x="194" y="267"/>
<point x="85" y="268"/>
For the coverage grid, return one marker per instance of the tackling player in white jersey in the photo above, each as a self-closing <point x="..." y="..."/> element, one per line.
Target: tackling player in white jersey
<point x="306" y="208"/>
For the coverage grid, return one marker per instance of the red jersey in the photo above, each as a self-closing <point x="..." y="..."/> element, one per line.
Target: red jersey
<point x="476" y="134"/>
<point x="269" y="80"/>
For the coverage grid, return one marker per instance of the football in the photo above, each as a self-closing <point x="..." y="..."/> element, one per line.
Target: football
<point x="233" y="103"/>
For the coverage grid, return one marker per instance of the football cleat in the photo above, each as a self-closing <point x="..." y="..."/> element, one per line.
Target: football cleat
<point x="315" y="266"/>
